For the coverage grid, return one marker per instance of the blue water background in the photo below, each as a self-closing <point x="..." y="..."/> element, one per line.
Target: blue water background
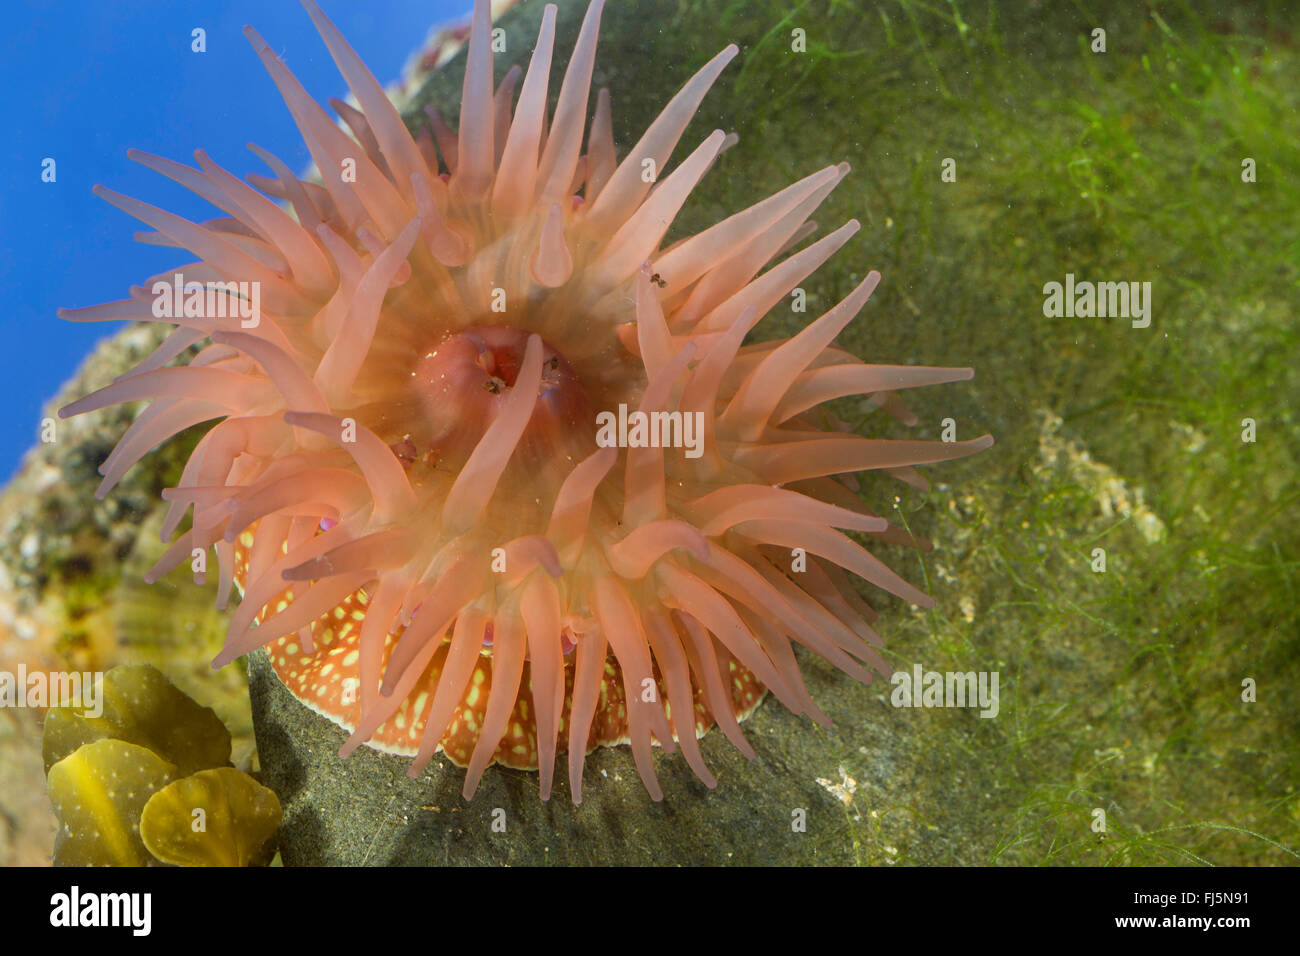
<point x="83" y="82"/>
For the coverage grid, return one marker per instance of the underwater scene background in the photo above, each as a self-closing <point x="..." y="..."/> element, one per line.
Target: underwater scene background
<point x="1124" y="558"/>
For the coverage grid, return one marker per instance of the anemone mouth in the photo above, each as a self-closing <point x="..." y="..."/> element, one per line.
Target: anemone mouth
<point x="473" y="371"/>
<point x="501" y="355"/>
<point x="440" y="384"/>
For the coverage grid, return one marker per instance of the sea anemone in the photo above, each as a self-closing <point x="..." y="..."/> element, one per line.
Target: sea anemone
<point x="493" y="472"/>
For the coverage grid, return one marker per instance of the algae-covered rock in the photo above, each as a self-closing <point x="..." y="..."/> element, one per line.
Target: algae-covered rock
<point x="781" y="808"/>
<point x="220" y="817"/>
<point x="61" y="548"/>
<point x="141" y="706"/>
<point x="99" y="792"/>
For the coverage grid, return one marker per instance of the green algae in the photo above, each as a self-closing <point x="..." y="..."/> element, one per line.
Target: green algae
<point x="1121" y="690"/>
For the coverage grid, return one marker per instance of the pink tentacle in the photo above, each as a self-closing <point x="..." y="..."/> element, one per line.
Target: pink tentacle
<point x="673" y="664"/>
<point x="633" y="556"/>
<point x="516" y="181"/>
<point x="622" y="628"/>
<point x="541" y="610"/>
<point x="462" y="657"/>
<point x="507" y="672"/>
<point x="588" y="675"/>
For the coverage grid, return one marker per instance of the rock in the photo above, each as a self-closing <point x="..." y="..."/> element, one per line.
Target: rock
<point x="365" y="810"/>
<point x="27" y="821"/>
